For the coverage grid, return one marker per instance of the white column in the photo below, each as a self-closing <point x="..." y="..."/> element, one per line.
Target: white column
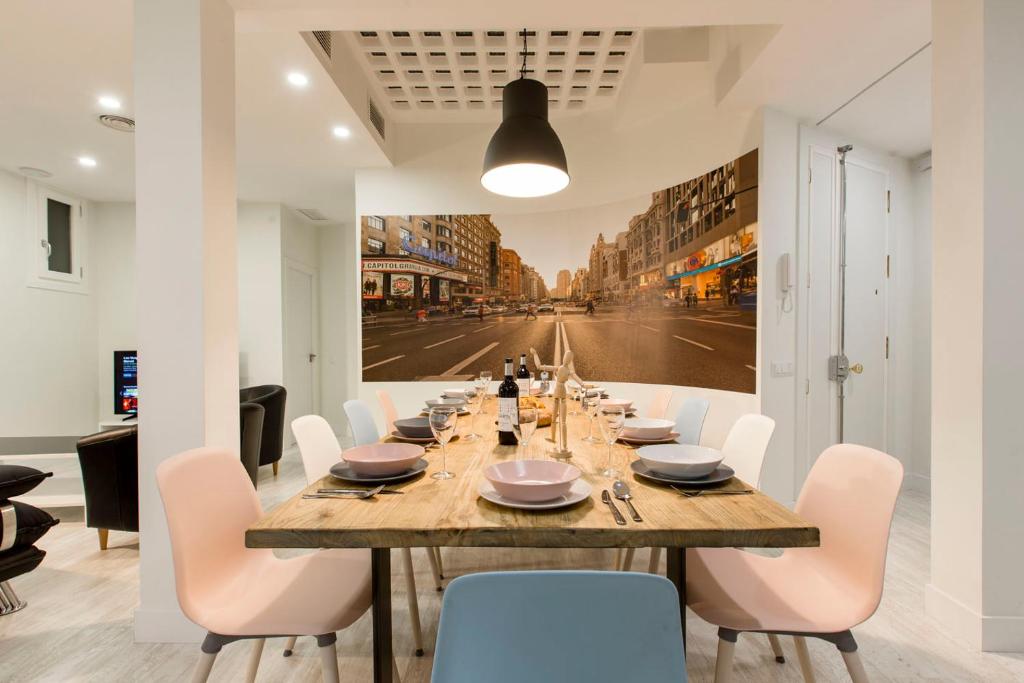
<point x="187" y="271"/>
<point x="977" y="564"/>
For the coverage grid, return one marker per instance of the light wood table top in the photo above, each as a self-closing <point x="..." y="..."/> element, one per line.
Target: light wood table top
<point x="451" y="512"/>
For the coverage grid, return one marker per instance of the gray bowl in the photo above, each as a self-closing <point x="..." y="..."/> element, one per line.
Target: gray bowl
<point x="414" y="427"/>
<point x="457" y="403"/>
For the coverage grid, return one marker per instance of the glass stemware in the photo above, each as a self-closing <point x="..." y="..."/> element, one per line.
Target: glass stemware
<point x="442" y="425"/>
<point x="612" y="422"/>
<point x="485" y="379"/>
<point x="591" y="404"/>
<point x="525" y="428"/>
<point x="474" y="401"/>
<point x="577" y="398"/>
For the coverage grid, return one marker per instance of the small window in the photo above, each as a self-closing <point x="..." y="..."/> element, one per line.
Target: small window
<point x="424" y="242"/>
<point x="58" y="240"/>
<point x="376" y="222"/>
<point x="424" y="225"/>
<point x="374" y="246"/>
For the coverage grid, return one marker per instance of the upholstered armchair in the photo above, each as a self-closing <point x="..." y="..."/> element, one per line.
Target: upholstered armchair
<point x="110" y="475"/>
<point x="251" y="415"/>
<point x="272" y="397"/>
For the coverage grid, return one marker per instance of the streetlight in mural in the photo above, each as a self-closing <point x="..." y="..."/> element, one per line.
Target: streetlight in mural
<point x="525" y="157"/>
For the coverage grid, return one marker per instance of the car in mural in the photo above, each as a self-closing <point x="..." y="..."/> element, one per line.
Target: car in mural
<point x="474" y="310"/>
<point x="499" y="309"/>
<point x="546" y="307"/>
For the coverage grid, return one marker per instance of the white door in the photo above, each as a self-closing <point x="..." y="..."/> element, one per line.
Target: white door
<point x="861" y="415"/>
<point x="299" y="343"/>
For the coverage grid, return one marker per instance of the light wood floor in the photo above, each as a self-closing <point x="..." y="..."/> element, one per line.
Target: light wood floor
<point x="78" y="625"/>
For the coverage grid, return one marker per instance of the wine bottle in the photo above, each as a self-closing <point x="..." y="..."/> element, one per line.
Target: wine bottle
<point x="523" y="376"/>
<point x="508" y="407"/>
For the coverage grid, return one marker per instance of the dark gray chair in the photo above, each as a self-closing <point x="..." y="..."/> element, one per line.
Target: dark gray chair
<point x="272" y="397"/>
<point x="251" y="415"/>
<point x="110" y="477"/>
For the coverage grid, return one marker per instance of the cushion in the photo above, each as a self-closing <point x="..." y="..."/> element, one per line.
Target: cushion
<point x="30" y="523"/>
<point x="18" y="561"/>
<point x="16" y="480"/>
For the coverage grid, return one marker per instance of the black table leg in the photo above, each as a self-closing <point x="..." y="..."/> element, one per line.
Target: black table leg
<point x="380" y="586"/>
<point x="676" y="573"/>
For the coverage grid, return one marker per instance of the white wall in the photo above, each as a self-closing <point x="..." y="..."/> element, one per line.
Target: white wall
<point x="113" y="249"/>
<point x="47" y="347"/>
<point x="260" y="330"/>
<point x="340" y="332"/>
<point x="921" y="463"/>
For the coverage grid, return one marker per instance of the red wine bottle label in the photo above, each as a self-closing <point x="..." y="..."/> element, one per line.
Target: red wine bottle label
<point x="508" y="413"/>
<point x="524" y="386"/>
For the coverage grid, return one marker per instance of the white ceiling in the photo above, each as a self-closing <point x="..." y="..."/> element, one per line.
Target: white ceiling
<point x="51" y="73"/>
<point x="461" y="72"/>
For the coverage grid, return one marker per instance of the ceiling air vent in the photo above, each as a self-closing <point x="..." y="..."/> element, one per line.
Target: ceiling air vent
<point x="119" y="123"/>
<point x="324" y="38"/>
<point x="376" y="118"/>
<point x="312" y="214"/>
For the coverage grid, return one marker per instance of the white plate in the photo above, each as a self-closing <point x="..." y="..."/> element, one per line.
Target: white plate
<point x="668" y="438"/>
<point x="580" y="491"/>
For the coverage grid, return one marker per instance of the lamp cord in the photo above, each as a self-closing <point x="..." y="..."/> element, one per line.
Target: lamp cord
<point x="522" y="69"/>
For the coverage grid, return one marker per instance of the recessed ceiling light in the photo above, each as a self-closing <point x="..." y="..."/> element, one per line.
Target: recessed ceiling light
<point x="109" y="102"/>
<point x="33" y="172"/>
<point x="299" y="80"/>
<point x="88" y="162"/>
<point x="341" y="132"/>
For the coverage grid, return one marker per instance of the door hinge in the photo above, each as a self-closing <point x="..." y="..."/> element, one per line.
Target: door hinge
<point x="810" y="175"/>
<point x="888" y="264"/>
<point x="887" y="348"/>
<point x="888" y="201"/>
<point x="807" y="387"/>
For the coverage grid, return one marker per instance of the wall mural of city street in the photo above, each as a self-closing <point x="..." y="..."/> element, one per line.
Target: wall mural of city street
<point x="662" y="291"/>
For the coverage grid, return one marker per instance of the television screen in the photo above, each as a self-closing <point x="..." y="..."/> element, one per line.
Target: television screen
<point x="126" y="382"/>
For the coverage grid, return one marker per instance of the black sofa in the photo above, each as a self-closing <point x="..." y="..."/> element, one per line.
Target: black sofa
<point x="22" y="525"/>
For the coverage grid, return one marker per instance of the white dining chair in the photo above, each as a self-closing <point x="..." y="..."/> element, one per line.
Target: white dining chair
<point x="689" y="425"/>
<point x="745" y="446"/>
<point x="364" y="431"/>
<point x="387" y="406"/>
<point x="660" y="403"/>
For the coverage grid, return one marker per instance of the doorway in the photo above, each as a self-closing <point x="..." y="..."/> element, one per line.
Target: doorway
<point x="848" y="318"/>
<point x="300" y="342"/>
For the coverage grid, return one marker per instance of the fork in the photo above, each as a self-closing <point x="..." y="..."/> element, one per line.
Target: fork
<point x="355" y="494"/>
<point x="705" y="492"/>
<point x="354" y="491"/>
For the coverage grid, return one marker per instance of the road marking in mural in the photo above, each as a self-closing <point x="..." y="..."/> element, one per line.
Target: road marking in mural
<point x="454" y="370"/>
<point x="375" y="346"/>
<point x="444" y="342"/>
<point x="483" y="328"/>
<point x="690" y="341"/>
<point x="404" y="332"/>
<point x="652" y="329"/>
<point x="565" y="337"/>
<point x="558" y="344"/>
<point x="750" y="367"/>
<point x="719" y="322"/>
<point x="367" y="367"/>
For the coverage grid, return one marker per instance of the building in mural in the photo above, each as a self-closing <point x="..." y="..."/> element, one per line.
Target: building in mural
<point x="511" y="275"/>
<point x="563" y="284"/>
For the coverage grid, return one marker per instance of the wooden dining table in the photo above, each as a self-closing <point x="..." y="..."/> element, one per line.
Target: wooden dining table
<point x="438" y="513"/>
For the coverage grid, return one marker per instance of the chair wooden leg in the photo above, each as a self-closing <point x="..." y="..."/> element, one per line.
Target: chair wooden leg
<point x="329" y="662"/>
<point x="440" y="564"/>
<point x="414" y="605"/>
<point x="655" y="563"/>
<point x="276" y="466"/>
<point x="805" y="658"/>
<point x="203" y="667"/>
<point x="627" y="560"/>
<point x="723" y="664"/>
<point x="436" y="570"/>
<point x="289" y="646"/>
<point x="618" y="559"/>
<point x="254" y="659"/>
<point x="104" y="534"/>
<point x="855" y="667"/>
<point x="773" y="640"/>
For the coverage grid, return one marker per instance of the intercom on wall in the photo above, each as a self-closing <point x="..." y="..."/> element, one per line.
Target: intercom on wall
<point x="787" y="280"/>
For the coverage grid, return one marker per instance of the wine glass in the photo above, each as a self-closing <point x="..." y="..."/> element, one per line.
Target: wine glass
<point x="591" y="403"/>
<point x="442" y="425"/>
<point x="485" y="379"/>
<point x="613" y="419"/>
<point x="525" y="427"/>
<point x="577" y="398"/>
<point x="474" y="401"/>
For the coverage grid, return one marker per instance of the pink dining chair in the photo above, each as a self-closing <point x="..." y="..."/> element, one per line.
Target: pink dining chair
<point x="388" y="406"/>
<point x="239" y="593"/>
<point x="821" y="592"/>
<point x="660" y="403"/>
<point x="320" y="449"/>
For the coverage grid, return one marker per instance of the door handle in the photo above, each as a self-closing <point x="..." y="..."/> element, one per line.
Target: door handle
<point x="312" y="357"/>
<point x="857" y="368"/>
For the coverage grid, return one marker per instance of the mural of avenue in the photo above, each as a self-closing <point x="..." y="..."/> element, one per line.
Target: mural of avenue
<point x="666" y="296"/>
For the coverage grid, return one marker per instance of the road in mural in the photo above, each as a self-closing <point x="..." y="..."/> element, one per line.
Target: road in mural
<point x="670" y="296"/>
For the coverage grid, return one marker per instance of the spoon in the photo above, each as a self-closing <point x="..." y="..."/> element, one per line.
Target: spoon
<point x="621" y="490"/>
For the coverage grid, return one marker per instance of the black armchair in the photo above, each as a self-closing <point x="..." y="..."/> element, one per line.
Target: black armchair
<point x="272" y="397"/>
<point x="110" y="475"/>
<point x="251" y="415"/>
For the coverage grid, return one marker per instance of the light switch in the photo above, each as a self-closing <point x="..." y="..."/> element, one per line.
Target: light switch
<point x="782" y="368"/>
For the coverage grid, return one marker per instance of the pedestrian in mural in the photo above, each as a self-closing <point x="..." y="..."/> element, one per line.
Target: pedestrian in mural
<point x="480" y="312"/>
<point x="590" y="307"/>
<point x="531" y="310"/>
<point x="734" y="294"/>
<point x="707" y="293"/>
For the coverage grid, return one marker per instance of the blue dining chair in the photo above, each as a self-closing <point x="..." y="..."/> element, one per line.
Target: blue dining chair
<point x="510" y="627"/>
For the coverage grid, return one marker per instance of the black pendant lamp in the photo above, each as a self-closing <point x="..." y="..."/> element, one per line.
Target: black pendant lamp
<point x="525" y="157"/>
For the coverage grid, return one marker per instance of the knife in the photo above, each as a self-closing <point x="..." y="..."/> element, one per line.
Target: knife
<point x="350" y="491"/>
<point x="607" y="498"/>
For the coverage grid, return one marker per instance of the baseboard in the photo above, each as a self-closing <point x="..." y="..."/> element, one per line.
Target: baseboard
<point x="165" y="626"/>
<point x="976" y="631"/>
<point x="918" y="483"/>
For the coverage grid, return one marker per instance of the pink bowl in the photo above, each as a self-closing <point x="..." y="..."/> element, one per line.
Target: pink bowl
<point x="532" y="481"/>
<point x="382" y="459"/>
<point x="608" y="403"/>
